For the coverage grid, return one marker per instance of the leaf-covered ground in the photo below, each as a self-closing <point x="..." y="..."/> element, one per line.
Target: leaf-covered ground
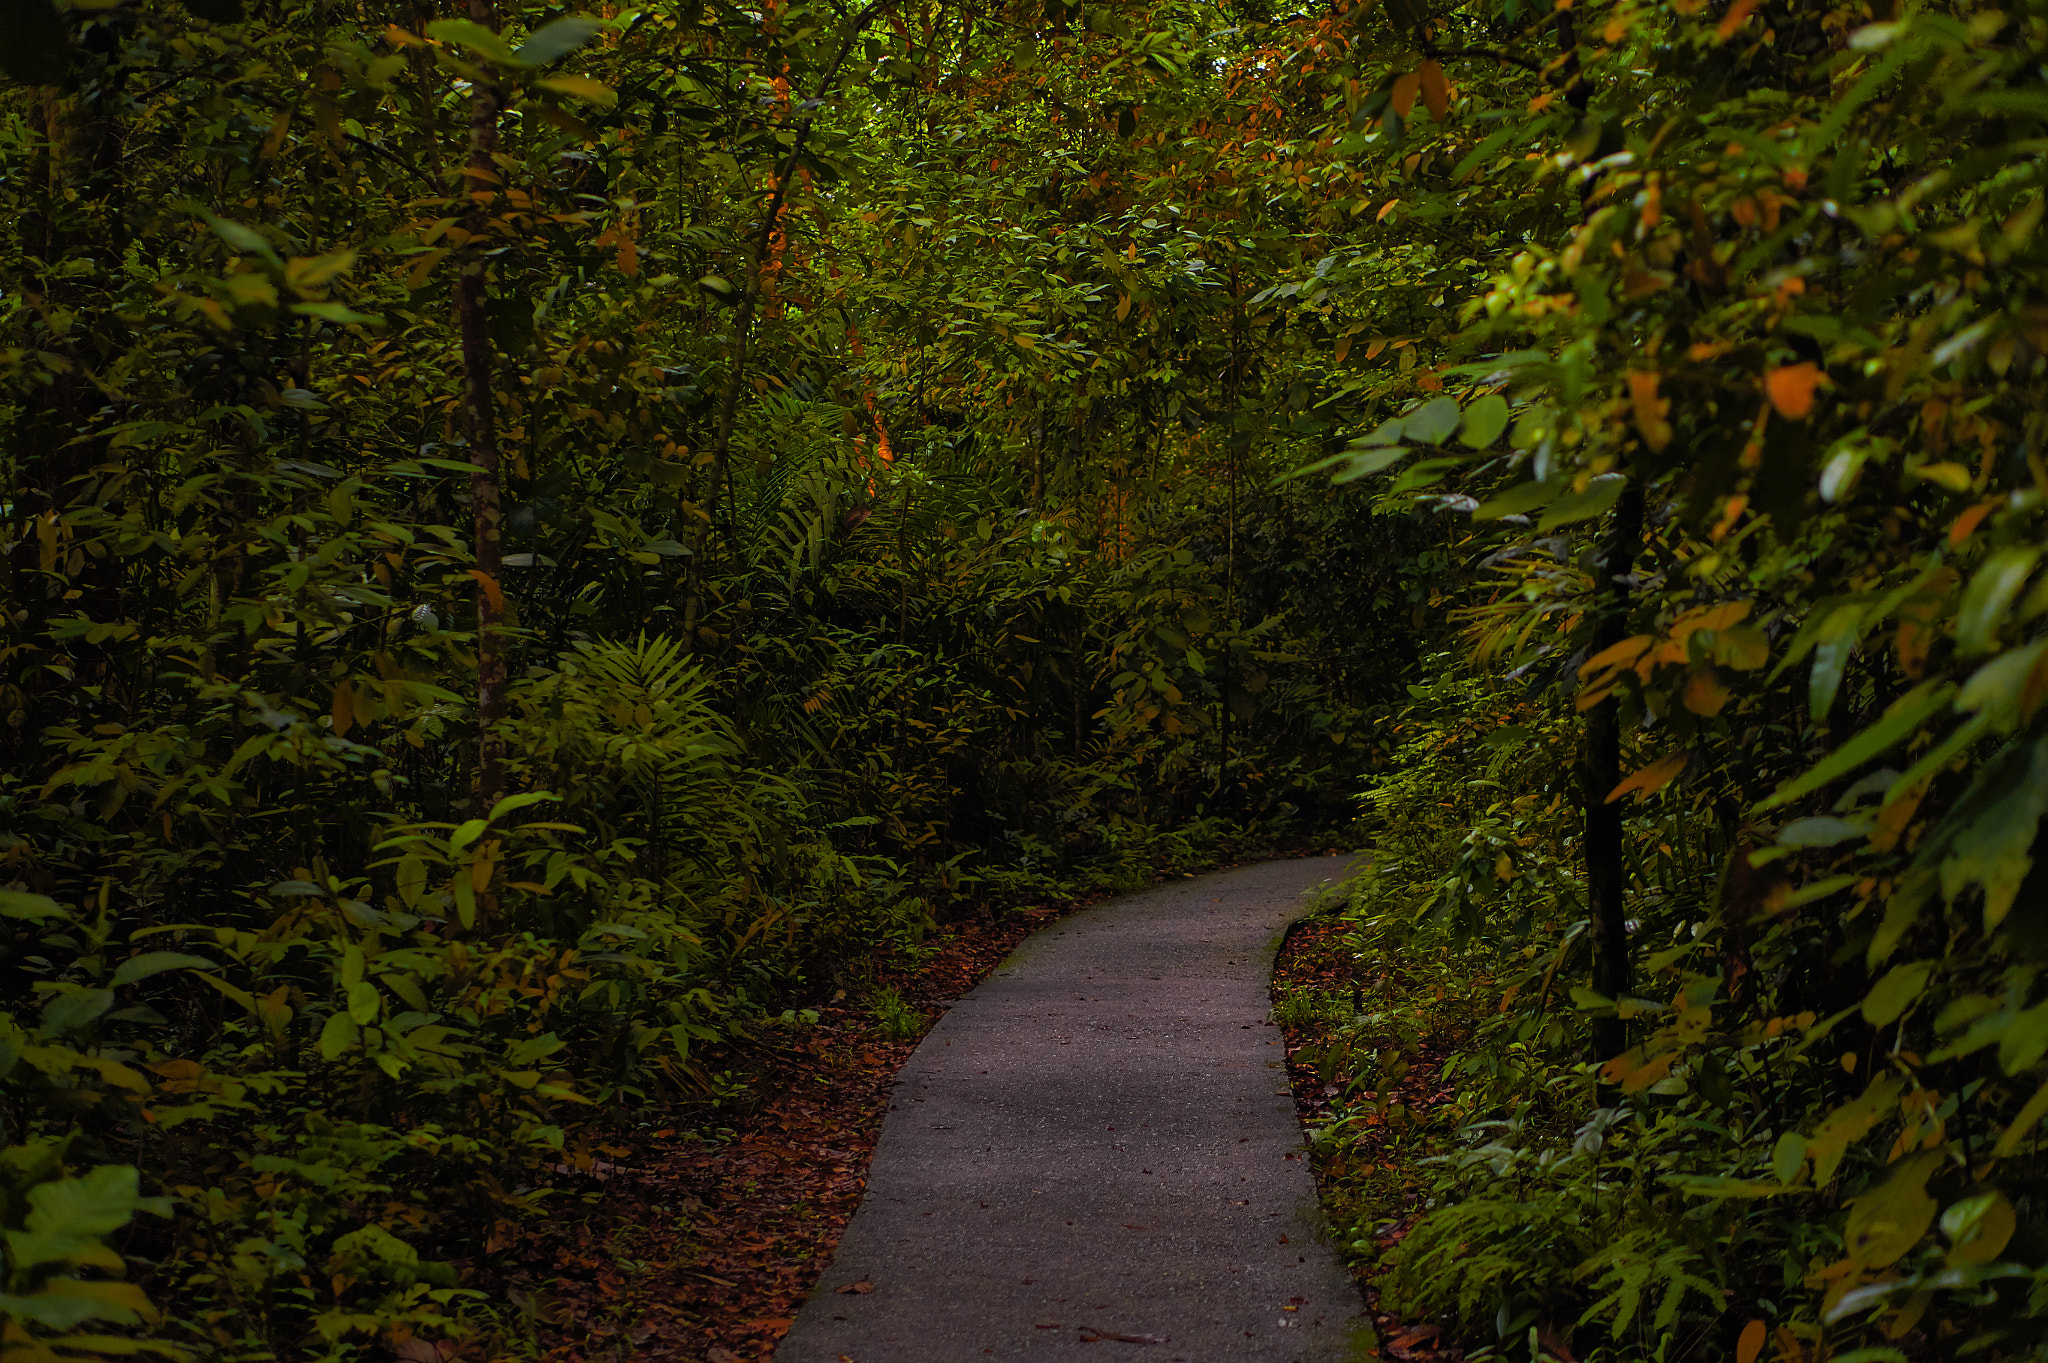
<point x="706" y="1228"/>
<point x="1364" y="1183"/>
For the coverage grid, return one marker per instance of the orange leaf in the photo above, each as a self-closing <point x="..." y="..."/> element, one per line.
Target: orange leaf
<point x="1652" y="778"/>
<point x="1705" y="693"/>
<point x="1751" y="1343"/>
<point x="1967" y="523"/>
<point x="493" y="593"/>
<point x="1405" y="90"/>
<point x="1737" y="14"/>
<point x="1650" y="409"/>
<point x="1791" y="388"/>
<point x="1385" y="209"/>
<point x="1436" y="91"/>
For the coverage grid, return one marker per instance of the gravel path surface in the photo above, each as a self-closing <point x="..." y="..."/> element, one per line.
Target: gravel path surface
<point x="1095" y="1152"/>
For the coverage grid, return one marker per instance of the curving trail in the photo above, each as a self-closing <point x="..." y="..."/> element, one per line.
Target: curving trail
<point x="1095" y="1153"/>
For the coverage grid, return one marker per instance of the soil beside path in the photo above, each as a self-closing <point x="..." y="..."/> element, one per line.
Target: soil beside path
<point x="1098" y="1146"/>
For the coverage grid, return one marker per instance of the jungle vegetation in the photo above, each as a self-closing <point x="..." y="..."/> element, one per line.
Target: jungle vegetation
<point x="532" y="533"/>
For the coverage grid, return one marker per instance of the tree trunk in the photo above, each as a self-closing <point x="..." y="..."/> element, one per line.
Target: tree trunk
<point x="1600" y="772"/>
<point x="743" y="326"/>
<point x="479" y="419"/>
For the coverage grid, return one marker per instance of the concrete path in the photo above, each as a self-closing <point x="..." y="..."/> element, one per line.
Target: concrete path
<point x="1095" y="1153"/>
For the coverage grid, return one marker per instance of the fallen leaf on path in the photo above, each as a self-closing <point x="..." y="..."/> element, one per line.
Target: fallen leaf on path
<point x="1089" y="1335"/>
<point x="863" y="1287"/>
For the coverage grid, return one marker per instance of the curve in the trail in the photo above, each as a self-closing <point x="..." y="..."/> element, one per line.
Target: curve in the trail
<point x="1096" y="1152"/>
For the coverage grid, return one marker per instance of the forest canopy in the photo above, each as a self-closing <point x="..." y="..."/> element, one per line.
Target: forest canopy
<point x="534" y="536"/>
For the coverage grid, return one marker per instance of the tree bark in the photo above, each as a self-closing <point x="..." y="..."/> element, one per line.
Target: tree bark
<point x="479" y="420"/>
<point x="1600" y="772"/>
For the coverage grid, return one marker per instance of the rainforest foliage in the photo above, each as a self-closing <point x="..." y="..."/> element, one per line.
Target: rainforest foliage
<point x="532" y="535"/>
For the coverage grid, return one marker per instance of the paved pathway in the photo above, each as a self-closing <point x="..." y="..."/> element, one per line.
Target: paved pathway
<point x="1095" y="1153"/>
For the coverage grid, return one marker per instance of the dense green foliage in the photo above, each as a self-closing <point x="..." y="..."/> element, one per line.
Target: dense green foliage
<point x="1731" y="795"/>
<point x="529" y="539"/>
<point x="530" y="536"/>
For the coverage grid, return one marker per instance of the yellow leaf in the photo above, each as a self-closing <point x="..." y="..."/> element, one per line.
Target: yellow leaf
<point x="580" y="87"/>
<point x="1954" y="477"/>
<point x="1791" y="388"/>
<point x="422" y="266"/>
<point x="1889" y="1220"/>
<point x="1652" y="778"/>
<point x="1436" y="91"/>
<point x="344" y="708"/>
<point x="1123" y="307"/>
<point x="1404" y="92"/>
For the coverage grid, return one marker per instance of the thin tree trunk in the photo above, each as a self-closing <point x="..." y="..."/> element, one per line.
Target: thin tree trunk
<point x="1600" y="772"/>
<point x="743" y="326"/>
<point x="479" y="419"/>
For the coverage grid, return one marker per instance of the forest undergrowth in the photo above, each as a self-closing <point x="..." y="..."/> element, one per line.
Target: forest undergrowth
<point x="534" y="541"/>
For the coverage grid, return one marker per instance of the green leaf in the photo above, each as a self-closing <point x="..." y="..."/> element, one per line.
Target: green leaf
<point x="580" y="87"/>
<point x="1850" y="1123"/>
<point x="95" y="1205"/>
<point x="1523" y="497"/>
<point x="1995" y="848"/>
<point x="1369" y="461"/>
<point x="338" y="314"/>
<point x="1990" y="596"/>
<point x="35" y="908"/>
<point x="2024" y="1039"/>
<point x="1484" y="421"/>
<point x="364" y="1003"/>
<point x="1431" y="423"/>
<point x="155" y="962"/>
<point x="556" y="40"/>
<point x="1893" y="994"/>
<point x="2016" y="1134"/>
<point x="474" y="36"/>
<point x="1823" y="831"/>
<point x="74" y="1008"/>
<point x="66" y="1303"/>
<point x="1995" y="688"/>
<point x="1978" y="1228"/>
<point x="244" y="239"/>
<point x="1600" y="494"/>
<point x="1899" y="722"/>
<point x="340" y="1033"/>
<point x="520" y="801"/>
<point x="1704" y="1185"/>
<point x="1788" y="1155"/>
<point x="466" y="833"/>
<point x="1833" y="646"/>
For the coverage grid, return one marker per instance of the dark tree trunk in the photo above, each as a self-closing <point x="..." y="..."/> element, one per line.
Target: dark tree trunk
<point x="1600" y="772"/>
<point x="479" y="419"/>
